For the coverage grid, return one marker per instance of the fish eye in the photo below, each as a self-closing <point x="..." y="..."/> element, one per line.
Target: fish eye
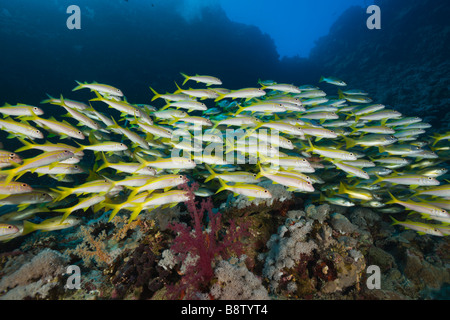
<point x="118" y="90"/>
<point x="24" y="184"/>
<point x="11" y="155"/>
<point x="35" y="108"/>
<point x="79" y="132"/>
<point x="429" y="178"/>
<point x="9" y="227"/>
<point x="75" y="167"/>
<point x="37" y="131"/>
<point x="308" y="183"/>
<point x="351" y="153"/>
<point x="181" y="177"/>
<point x="265" y="191"/>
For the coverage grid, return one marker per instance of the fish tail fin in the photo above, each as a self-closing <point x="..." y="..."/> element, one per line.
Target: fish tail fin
<point x="178" y="89"/>
<point x="135" y="213"/>
<point x="81" y="148"/>
<point x="212" y="173"/>
<point x="67" y="212"/>
<point x="353" y="126"/>
<point x="215" y="124"/>
<point x="263" y="158"/>
<point x="261" y="171"/>
<point x="29" y="227"/>
<point x="49" y="100"/>
<point x="156" y="94"/>
<point x="63" y="193"/>
<point x="342" y="188"/>
<point x="394" y="221"/>
<point x="240" y="109"/>
<point x="220" y="97"/>
<point x="322" y="197"/>
<point x="224" y="186"/>
<point x="11" y="173"/>
<point x="135" y="191"/>
<point x="311" y="146"/>
<point x="26" y="145"/>
<point x="381" y="149"/>
<point x="116" y="208"/>
<point x="98" y="97"/>
<point x="379" y="179"/>
<point x="436" y="139"/>
<point x="186" y="78"/>
<point x="341" y="94"/>
<point x="394" y="200"/>
<point x="322" y="79"/>
<point x="165" y="107"/>
<point x="62" y="100"/>
<point x="105" y="164"/>
<point x="349" y="142"/>
<point x="79" y="86"/>
<point x="229" y="145"/>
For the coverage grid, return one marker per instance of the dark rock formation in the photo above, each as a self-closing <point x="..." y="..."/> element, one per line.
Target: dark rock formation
<point x="404" y="64"/>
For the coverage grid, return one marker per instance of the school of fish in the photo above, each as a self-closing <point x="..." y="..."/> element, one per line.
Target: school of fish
<point x="344" y="150"/>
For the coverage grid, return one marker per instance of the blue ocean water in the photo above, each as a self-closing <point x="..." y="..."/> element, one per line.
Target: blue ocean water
<point x="137" y="44"/>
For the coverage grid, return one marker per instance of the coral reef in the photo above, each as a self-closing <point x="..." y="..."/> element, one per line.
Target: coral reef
<point x="308" y="252"/>
<point x="236" y="282"/>
<point x="35" y="278"/>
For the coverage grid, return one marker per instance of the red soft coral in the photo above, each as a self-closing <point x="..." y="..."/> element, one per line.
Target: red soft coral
<point x="207" y="245"/>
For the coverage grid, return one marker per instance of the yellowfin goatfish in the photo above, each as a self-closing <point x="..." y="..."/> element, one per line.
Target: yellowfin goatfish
<point x="198" y="93"/>
<point x="51" y="224"/>
<point x="162" y="182"/>
<point x="208" y="80"/>
<point x="421" y="207"/>
<point x="409" y="179"/>
<point x="63" y="128"/>
<point x="246" y="93"/>
<point x="84" y="204"/>
<point x="167" y="198"/>
<point x="293" y="183"/>
<point x="421" y="228"/>
<point x="20" y="110"/>
<point x="331" y="153"/>
<point x="80" y="106"/>
<point x="249" y="190"/>
<point x="99" y="88"/>
<point x="38" y="161"/>
<point x="22" y="128"/>
<point x="238" y="176"/>
<point x="440" y="191"/>
<point x="333" y="80"/>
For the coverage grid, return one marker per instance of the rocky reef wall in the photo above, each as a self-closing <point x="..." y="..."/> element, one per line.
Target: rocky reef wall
<point x="405" y="64"/>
